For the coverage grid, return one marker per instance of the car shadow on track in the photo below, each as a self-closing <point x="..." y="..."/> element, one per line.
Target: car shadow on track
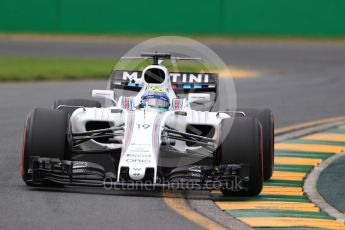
<point x="139" y="193"/>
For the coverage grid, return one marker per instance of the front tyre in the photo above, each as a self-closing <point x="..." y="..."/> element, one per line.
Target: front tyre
<point x="45" y="135"/>
<point x="241" y="143"/>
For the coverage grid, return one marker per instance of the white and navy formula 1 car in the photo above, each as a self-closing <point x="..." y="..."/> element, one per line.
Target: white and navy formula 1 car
<point x="151" y="138"/>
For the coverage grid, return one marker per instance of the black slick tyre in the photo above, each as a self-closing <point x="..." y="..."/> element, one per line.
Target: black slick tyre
<point x="265" y="116"/>
<point x="242" y="145"/>
<point x="45" y="135"/>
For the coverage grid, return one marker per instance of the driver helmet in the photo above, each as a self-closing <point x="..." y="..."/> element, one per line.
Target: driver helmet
<point x="156" y="100"/>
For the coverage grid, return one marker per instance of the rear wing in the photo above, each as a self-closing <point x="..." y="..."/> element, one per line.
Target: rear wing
<point x="182" y="83"/>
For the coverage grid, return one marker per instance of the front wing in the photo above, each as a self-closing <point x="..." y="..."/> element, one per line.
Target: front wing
<point x="82" y="173"/>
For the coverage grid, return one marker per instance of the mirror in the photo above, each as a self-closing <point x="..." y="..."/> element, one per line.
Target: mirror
<point x="106" y="94"/>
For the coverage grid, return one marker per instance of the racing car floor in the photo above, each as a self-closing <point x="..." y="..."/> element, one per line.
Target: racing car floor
<point x="283" y="203"/>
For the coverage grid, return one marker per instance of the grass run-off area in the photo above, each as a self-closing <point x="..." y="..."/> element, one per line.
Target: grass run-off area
<point x="14" y="68"/>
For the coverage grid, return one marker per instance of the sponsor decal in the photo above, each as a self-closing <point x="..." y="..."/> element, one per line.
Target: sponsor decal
<point x="156" y="89"/>
<point x="195" y="169"/>
<point x="139" y="155"/>
<point x="189" y="77"/>
<point x="138" y="161"/>
<point x="135" y="76"/>
<point x="79" y="164"/>
<point x="136" y="169"/>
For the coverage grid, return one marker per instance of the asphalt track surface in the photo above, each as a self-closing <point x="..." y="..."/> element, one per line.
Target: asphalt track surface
<point x="299" y="82"/>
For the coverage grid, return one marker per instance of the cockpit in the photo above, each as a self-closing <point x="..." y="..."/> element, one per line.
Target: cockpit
<point x="155" y="94"/>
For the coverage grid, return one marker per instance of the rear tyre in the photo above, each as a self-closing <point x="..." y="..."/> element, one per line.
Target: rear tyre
<point x="72" y="104"/>
<point x="242" y="145"/>
<point x="266" y="119"/>
<point x="45" y="135"/>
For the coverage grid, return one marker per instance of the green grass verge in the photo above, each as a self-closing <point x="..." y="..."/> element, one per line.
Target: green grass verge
<point x="54" y="68"/>
<point x="51" y="68"/>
